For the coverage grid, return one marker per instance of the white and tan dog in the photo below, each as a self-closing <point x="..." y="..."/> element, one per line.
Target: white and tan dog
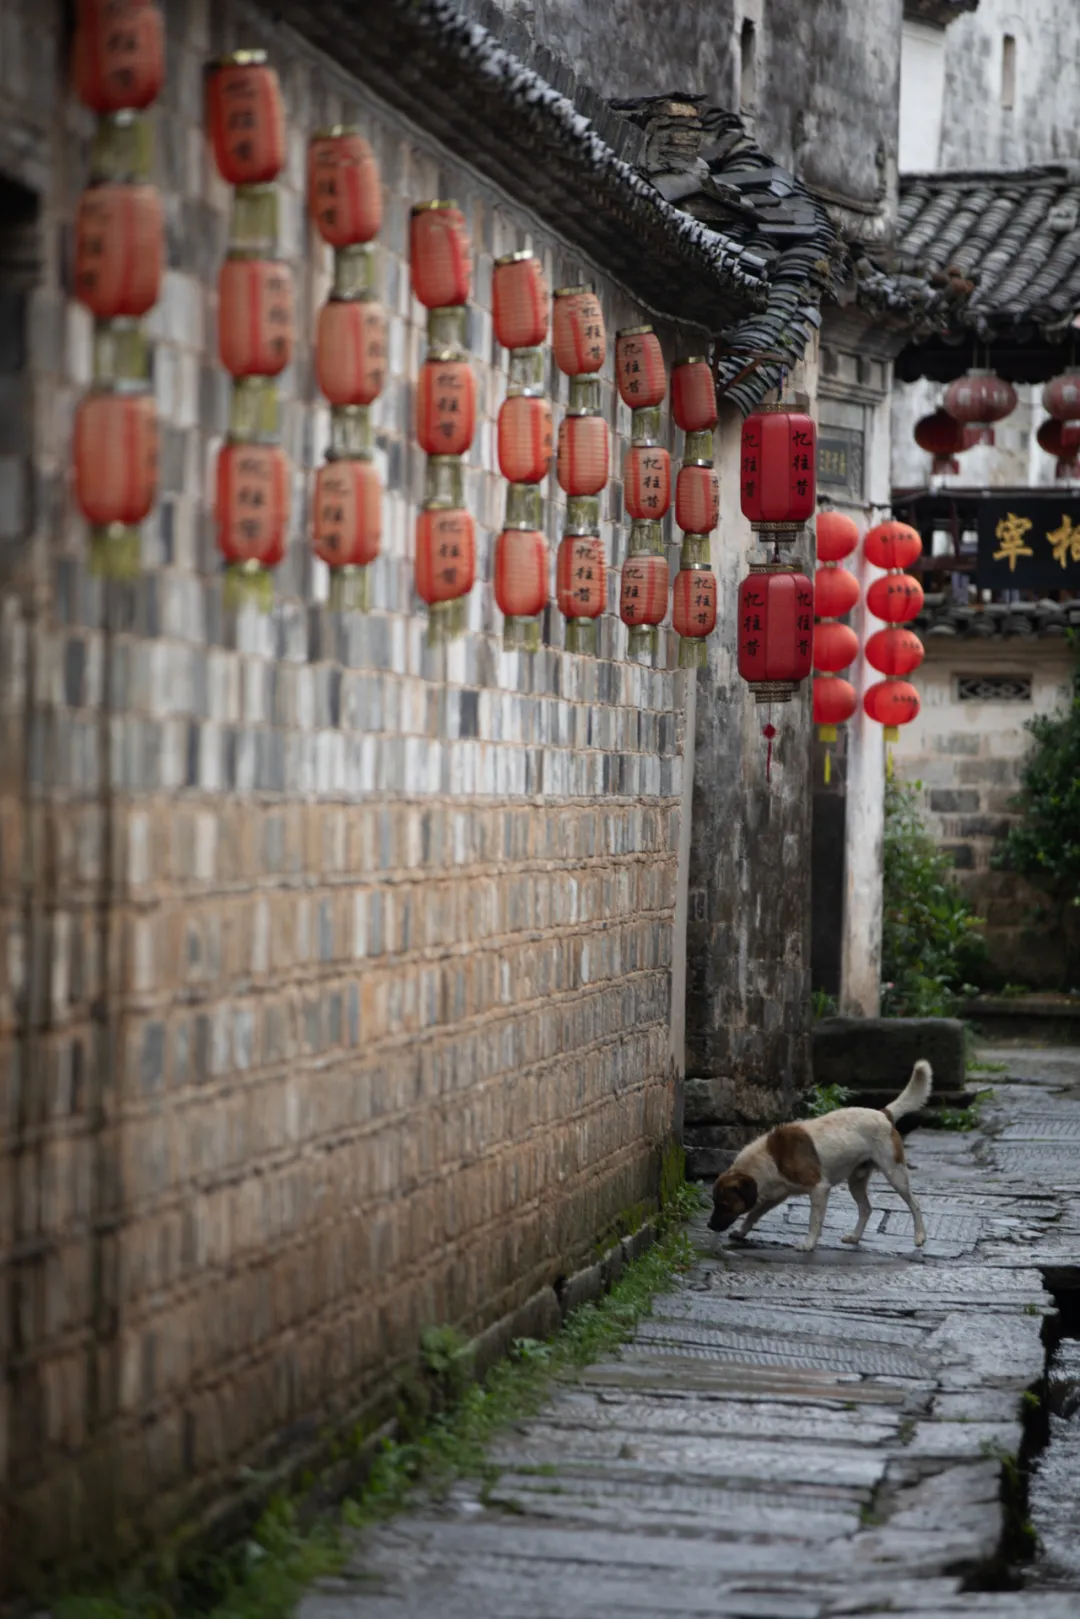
<point x="813" y="1157"/>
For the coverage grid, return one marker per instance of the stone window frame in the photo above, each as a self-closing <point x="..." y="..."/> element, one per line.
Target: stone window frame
<point x="994" y="688"/>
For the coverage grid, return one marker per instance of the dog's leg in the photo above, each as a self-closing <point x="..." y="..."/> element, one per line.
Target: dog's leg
<point x="819" y="1202"/>
<point x="897" y="1177"/>
<point x="857" y="1187"/>
<point x="755" y="1215"/>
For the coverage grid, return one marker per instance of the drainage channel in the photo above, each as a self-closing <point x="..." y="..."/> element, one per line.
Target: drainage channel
<point x="1053" y="1485"/>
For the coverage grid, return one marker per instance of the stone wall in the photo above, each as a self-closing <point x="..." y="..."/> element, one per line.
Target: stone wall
<point x="337" y="981"/>
<point x="968" y="757"/>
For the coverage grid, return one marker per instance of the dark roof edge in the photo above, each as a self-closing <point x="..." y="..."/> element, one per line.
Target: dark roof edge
<point x="1064" y="170"/>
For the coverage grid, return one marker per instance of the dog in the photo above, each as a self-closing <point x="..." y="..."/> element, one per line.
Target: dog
<point x="813" y="1157"/>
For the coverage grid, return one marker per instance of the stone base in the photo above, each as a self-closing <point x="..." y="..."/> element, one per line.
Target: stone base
<point x="873" y="1057"/>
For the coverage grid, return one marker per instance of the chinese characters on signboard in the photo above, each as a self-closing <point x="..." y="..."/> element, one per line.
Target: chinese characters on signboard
<point x="1029" y="543"/>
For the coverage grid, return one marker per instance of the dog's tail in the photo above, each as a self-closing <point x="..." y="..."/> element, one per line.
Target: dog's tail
<point x="916" y="1092"/>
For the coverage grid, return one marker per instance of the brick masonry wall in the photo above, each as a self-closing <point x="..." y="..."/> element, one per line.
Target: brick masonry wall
<point x="336" y="989"/>
<point x="968" y="757"/>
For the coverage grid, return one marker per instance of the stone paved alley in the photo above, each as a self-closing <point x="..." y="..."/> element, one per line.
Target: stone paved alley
<point x="787" y="1437"/>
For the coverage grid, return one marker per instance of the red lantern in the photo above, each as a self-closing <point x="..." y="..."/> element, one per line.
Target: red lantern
<point x="647" y="482"/>
<point x="835" y="647"/>
<point x="118" y="55"/>
<point x="835" y="591"/>
<point x="894" y="651"/>
<point x="344" y="193"/>
<point x="440" y="255"/>
<point x="445" y="554"/>
<point x="776" y="639"/>
<point x="521" y="574"/>
<point x="834" y="703"/>
<point x="643" y="592"/>
<point x="582" y="463"/>
<point x="892" y="703"/>
<point x="1062" y="440"/>
<point x="777" y="483"/>
<point x="892" y="545"/>
<point x="525" y="435"/>
<point x="350" y="351"/>
<point x="693" y="614"/>
<point x="119" y="243"/>
<point x="348" y="513"/>
<point x="639" y="367"/>
<point x="978" y="399"/>
<point x="693" y="396"/>
<point x="519" y="294"/>
<point x="898" y="598"/>
<point x="943" y="437"/>
<point x="252" y="504"/>
<point x="837" y="536"/>
<point x="247" y="119"/>
<point x="697" y="498"/>
<point x="578" y="336"/>
<point x="116" y="457"/>
<point x="445" y="406"/>
<point x="581" y="576"/>
<point x="1061" y="397"/>
<point x="255" y="316"/>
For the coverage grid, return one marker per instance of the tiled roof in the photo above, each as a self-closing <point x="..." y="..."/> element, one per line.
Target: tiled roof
<point x="941" y="616"/>
<point x="940" y="13"/>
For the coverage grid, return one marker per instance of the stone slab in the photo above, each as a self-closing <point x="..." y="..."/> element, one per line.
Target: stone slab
<point x="878" y="1054"/>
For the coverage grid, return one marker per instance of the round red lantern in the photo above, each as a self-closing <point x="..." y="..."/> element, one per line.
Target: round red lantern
<point x="776" y="635"/>
<point x="892" y="703"/>
<point x="1061" y="439"/>
<point x="119" y="250"/>
<point x="892" y="545"/>
<point x="1061" y="397"/>
<point x="697" y="498"/>
<point x="116" y="457"/>
<point x="943" y="437"/>
<point x="693" y="396"/>
<point x="350" y="351"/>
<point x="519" y="294"/>
<point x="440" y="255"/>
<point x="347" y="525"/>
<point x="255" y="316"/>
<point x="837" y="536"/>
<point x="647" y="482"/>
<point x="582" y="461"/>
<point x="445" y="406"/>
<point x="978" y="399"/>
<point x="898" y="598"/>
<point x="344" y="193"/>
<point x="835" y="647"/>
<point x="639" y="367"/>
<point x="693" y="613"/>
<point x="894" y="651"/>
<point x="525" y="435"/>
<point x="246" y="118"/>
<point x="252" y="505"/>
<point x="581" y="587"/>
<point x="445" y="566"/>
<point x="521" y="585"/>
<point x="118" y="56"/>
<point x="834" y="703"/>
<point x="835" y="591"/>
<point x="578" y="335"/>
<point x="777" y="485"/>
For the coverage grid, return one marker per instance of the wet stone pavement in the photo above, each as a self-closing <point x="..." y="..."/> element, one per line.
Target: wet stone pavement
<point x="794" y="1436"/>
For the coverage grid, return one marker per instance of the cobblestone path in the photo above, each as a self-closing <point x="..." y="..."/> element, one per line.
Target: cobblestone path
<point x="788" y="1436"/>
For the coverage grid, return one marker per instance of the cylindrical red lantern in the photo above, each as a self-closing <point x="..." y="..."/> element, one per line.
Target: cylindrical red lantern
<point x="647" y="482"/>
<point x="582" y="462"/>
<point x="255" y="316"/>
<point x="581" y="576"/>
<point x="118" y="56"/>
<point x="440" y="255"/>
<point x="693" y="613"/>
<point x="252" y="504"/>
<point x="347" y="525"/>
<point x="445" y="566"/>
<point x="943" y="437"/>
<point x="578" y="335"/>
<point x="978" y="399"/>
<point x="693" y="396"/>
<point x="897" y="598"/>
<point x="525" y="438"/>
<point x="445" y="406"/>
<point x="697" y="498"/>
<point x="777" y="485"/>
<point x="344" y="191"/>
<point x="835" y="647"/>
<point x="119" y="250"/>
<point x="247" y="119"/>
<point x="894" y="651"/>
<point x="116" y="457"/>
<point x="643" y="598"/>
<point x="1061" y="397"/>
<point x="639" y="367"/>
<point x="892" y="545"/>
<point x="892" y="703"/>
<point x="837" y="536"/>
<point x="350" y="351"/>
<point x="835" y="591"/>
<point x="521" y="585"/>
<point x="776" y="638"/>
<point x="519" y="294"/>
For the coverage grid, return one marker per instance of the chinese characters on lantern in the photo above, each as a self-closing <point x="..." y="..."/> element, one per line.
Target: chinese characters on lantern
<point x="520" y="300"/>
<point x="643" y="592"/>
<point x="579" y="340"/>
<point x="697" y="510"/>
<point x="897" y="598"/>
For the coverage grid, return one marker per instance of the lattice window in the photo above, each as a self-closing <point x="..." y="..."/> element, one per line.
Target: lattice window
<point x="993" y="688"/>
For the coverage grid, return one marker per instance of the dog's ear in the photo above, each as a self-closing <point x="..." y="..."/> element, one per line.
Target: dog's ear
<point x="746" y="1187"/>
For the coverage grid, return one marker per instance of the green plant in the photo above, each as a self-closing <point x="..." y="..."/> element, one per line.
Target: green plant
<point x="931" y="947"/>
<point x="1014" y="991"/>
<point x="822" y="1099"/>
<point x="822" y="1005"/>
<point x="1045" y="844"/>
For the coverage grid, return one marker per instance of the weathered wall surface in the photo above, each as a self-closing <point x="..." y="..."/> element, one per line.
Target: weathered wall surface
<point x="968" y="756"/>
<point x="336" y="979"/>
<point x="980" y="129"/>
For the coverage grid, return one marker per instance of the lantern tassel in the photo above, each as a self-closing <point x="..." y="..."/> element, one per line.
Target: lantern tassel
<point x="769" y="733"/>
<point x="888" y="764"/>
<point x="828" y="766"/>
